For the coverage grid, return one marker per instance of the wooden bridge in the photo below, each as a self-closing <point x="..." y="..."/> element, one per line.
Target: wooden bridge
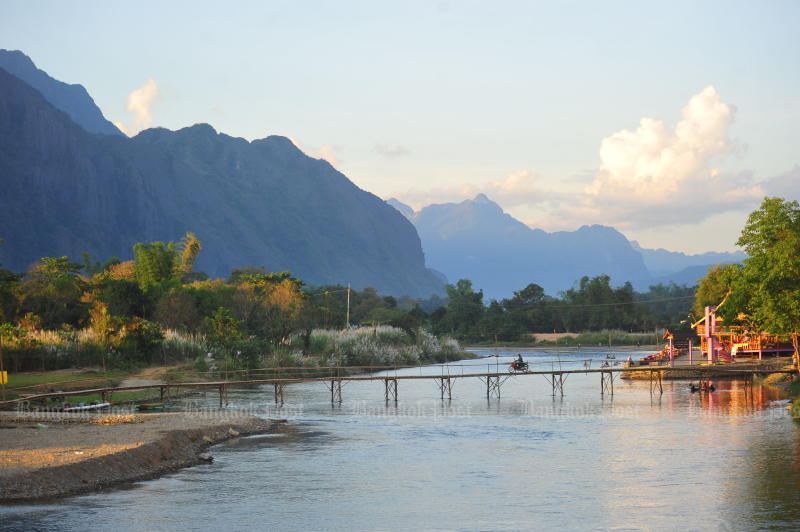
<point x="444" y="382"/>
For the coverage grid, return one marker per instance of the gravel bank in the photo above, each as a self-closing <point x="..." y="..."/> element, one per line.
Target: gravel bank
<point x="53" y="457"/>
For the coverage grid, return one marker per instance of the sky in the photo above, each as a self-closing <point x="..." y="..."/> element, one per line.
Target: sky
<point x="667" y="120"/>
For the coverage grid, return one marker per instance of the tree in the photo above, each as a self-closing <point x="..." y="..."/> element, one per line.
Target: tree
<point x="53" y="290"/>
<point x="177" y="310"/>
<point x="718" y="283"/>
<point x="189" y="248"/>
<point x="464" y="309"/>
<point x="124" y="297"/>
<point x="155" y="263"/>
<point x="526" y="311"/>
<point x="223" y="327"/>
<point x="771" y="273"/>
<point x="8" y="302"/>
<point x="495" y="323"/>
<point x="669" y="306"/>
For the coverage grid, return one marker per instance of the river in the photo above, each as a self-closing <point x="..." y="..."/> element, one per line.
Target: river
<point x="729" y="460"/>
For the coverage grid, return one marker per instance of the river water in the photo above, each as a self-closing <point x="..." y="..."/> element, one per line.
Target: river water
<point x="729" y="460"/>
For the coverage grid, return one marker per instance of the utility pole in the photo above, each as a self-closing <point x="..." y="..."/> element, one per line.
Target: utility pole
<point x="347" y="319"/>
<point x="2" y="370"/>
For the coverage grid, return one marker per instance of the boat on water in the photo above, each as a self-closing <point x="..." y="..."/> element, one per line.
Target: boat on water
<point x="154" y="407"/>
<point x="80" y="407"/>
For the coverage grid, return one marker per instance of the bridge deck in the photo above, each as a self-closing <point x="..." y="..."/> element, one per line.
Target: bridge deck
<point x="699" y="371"/>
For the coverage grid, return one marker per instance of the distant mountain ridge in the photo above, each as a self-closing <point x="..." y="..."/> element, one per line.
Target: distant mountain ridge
<point x="477" y="240"/>
<point x="661" y="262"/>
<point x="260" y="203"/>
<point x="72" y="99"/>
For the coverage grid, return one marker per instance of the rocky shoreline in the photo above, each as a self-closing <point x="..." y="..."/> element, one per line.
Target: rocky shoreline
<point x="43" y="458"/>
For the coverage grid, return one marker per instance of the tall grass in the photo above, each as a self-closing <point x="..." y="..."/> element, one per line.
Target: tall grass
<point x="606" y="337"/>
<point x="383" y="345"/>
<point x="41" y="350"/>
<point x="379" y="346"/>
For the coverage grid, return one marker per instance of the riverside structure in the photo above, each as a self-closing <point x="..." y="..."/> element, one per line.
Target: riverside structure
<point x="444" y="382"/>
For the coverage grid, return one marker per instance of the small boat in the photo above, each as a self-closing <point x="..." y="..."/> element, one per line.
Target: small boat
<point x="154" y="407"/>
<point x="80" y="407"/>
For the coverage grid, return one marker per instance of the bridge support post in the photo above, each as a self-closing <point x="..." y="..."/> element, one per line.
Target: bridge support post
<point x="748" y="389"/>
<point x="493" y="385"/>
<point x="655" y="383"/>
<point x="223" y="395"/>
<point x="390" y="389"/>
<point x="607" y="383"/>
<point x="279" y="392"/>
<point x="335" y="387"/>
<point x="445" y="385"/>
<point x="162" y="395"/>
<point x="556" y="381"/>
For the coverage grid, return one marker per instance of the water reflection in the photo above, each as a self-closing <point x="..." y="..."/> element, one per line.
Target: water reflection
<point x="722" y="460"/>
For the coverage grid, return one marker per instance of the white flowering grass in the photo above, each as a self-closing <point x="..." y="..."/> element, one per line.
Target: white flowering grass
<point x="381" y="345"/>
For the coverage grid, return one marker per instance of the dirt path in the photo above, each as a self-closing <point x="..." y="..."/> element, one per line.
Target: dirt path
<point x="147" y="377"/>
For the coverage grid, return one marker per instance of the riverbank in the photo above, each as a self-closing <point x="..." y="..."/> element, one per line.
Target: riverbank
<point x="722" y="371"/>
<point x="565" y="348"/>
<point x="45" y="456"/>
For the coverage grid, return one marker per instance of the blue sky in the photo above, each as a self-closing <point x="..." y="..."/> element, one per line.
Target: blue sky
<point x="437" y="101"/>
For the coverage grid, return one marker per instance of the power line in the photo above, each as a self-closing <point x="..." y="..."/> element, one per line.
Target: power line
<point x="644" y="302"/>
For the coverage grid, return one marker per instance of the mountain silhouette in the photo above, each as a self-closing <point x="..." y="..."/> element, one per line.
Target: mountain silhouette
<point x="72" y="99"/>
<point x="261" y="203"/>
<point x="475" y="239"/>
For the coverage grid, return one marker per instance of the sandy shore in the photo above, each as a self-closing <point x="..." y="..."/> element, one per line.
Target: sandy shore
<point x="43" y="457"/>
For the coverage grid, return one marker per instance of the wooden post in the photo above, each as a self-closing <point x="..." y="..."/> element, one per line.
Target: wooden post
<point x="671" y="351"/>
<point x="655" y="383"/>
<point x="606" y="382"/>
<point x="347" y="320"/>
<point x="390" y="389"/>
<point x="709" y="337"/>
<point x="691" y="352"/>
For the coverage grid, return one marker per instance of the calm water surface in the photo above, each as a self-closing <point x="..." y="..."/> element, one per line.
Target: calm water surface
<point x="723" y="461"/>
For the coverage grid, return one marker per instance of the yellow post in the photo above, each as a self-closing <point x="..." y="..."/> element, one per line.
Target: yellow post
<point x="3" y="373"/>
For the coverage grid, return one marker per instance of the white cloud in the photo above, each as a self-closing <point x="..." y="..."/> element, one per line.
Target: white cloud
<point x="391" y="152"/>
<point x="140" y="103"/>
<point x="786" y="185"/>
<point x="658" y="176"/>
<point x="122" y="128"/>
<point x="517" y="188"/>
<point x="328" y="152"/>
<point x="653" y="176"/>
